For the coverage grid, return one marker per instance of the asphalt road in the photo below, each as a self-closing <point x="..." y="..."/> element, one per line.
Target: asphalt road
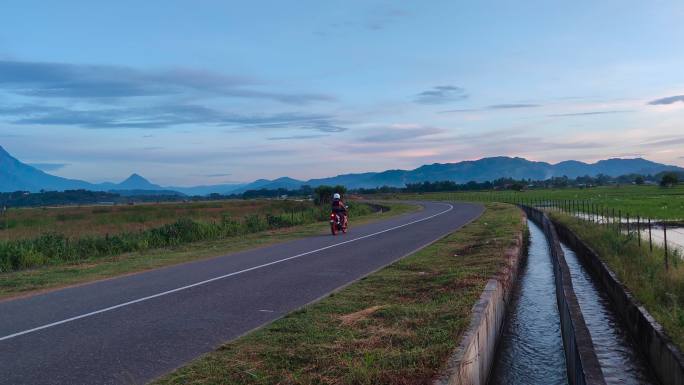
<point x="132" y="329"/>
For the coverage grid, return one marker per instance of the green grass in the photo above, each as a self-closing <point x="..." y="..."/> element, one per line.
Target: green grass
<point x="55" y="248"/>
<point x="646" y="201"/>
<point x="90" y="269"/>
<point x="640" y="270"/>
<point x="396" y="326"/>
<point x="88" y="221"/>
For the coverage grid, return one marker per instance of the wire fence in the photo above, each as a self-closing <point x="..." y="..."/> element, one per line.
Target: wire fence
<point x="668" y="235"/>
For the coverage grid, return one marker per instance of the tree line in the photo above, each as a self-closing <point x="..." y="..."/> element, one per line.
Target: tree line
<point x="323" y="194"/>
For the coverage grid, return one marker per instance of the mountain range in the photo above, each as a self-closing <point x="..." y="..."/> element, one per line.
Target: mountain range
<point x="18" y="176"/>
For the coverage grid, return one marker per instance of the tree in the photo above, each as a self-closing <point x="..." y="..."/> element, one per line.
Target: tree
<point x="323" y="194"/>
<point x="669" y="179"/>
<point x="639" y="180"/>
<point x="517" y="186"/>
<point x="340" y="189"/>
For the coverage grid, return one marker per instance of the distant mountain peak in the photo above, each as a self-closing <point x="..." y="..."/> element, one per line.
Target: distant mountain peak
<point x="135" y="177"/>
<point x="15" y="175"/>
<point x="137" y="182"/>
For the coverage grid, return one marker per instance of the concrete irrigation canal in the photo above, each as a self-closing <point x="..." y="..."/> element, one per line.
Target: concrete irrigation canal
<point x="563" y="327"/>
<point x="531" y="347"/>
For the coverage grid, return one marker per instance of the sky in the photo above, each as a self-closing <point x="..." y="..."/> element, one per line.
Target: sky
<point x="207" y="92"/>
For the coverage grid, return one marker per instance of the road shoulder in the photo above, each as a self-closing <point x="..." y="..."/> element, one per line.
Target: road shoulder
<point x="398" y="325"/>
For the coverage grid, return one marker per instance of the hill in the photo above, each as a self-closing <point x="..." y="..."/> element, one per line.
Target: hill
<point x="15" y="175"/>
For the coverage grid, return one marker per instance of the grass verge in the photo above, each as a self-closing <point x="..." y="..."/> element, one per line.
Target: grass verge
<point x="396" y="326"/>
<point x="91" y="269"/>
<point x="641" y="270"/>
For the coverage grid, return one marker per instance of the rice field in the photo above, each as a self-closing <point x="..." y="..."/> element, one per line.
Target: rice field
<point x="653" y="202"/>
<point x="77" y="222"/>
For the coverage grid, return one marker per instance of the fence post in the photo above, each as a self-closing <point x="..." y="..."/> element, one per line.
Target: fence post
<point x="665" y="244"/>
<point x="605" y="218"/>
<point x="650" y="239"/>
<point x="619" y="227"/>
<point x="639" y="230"/>
<point x="628" y="227"/>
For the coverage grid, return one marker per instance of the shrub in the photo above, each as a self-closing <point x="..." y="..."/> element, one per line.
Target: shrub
<point x="53" y="248"/>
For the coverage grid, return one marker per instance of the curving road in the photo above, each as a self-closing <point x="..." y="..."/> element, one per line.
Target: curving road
<point x="132" y="329"/>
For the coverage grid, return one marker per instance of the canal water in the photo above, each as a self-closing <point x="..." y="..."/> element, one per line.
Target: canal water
<point x="531" y="347"/>
<point x="620" y="361"/>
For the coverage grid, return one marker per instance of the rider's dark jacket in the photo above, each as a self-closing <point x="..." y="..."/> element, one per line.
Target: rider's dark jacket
<point x="338" y="206"/>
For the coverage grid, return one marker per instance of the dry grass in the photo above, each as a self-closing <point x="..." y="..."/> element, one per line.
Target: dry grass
<point x="76" y="222"/>
<point x="396" y="326"/>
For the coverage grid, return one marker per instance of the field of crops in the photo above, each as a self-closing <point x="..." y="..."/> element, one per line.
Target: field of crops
<point x="76" y="222"/>
<point x="645" y="201"/>
<point x="39" y="237"/>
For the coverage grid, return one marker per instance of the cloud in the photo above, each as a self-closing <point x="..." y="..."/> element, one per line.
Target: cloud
<point x="382" y="17"/>
<point x="675" y="140"/>
<point x="440" y="95"/>
<point x="296" y="137"/>
<point x="459" y="110"/>
<point x="511" y="106"/>
<point x="373" y="19"/>
<point x="216" y="175"/>
<point x="508" y="106"/>
<point x="49" y="166"/>
<point x="163" y="117"/>
<point x="316" y="123"/>
<point x="394" y="134"/>
<point x="667" y="100"/>
<point x="589" y="113"/>
<point x="62" y="80"/>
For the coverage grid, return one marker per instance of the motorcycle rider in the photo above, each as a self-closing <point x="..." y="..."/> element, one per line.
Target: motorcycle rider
<point x="339" y="208"/>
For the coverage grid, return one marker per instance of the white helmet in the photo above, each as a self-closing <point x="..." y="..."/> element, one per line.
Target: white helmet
<point x="336" y="196"/>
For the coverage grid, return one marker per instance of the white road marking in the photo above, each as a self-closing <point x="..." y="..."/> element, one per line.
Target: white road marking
<point x="92" y="313"/>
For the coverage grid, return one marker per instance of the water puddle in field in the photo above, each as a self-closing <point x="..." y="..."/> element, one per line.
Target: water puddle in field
<point x="620" y="361"/>
<point x="656" y="234"/>
<point x="531" y="348"/>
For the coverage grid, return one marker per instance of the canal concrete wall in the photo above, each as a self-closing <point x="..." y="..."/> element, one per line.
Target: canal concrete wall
<point x="580" y="358"/>
<point x="472" y="361"/>
<point x="665" y="358"/>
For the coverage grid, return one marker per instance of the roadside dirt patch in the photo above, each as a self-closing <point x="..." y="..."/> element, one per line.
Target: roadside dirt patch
<point x="351" y="318"/>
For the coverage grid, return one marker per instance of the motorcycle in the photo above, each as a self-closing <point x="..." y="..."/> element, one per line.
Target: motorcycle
<point x="337" y="223"/>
